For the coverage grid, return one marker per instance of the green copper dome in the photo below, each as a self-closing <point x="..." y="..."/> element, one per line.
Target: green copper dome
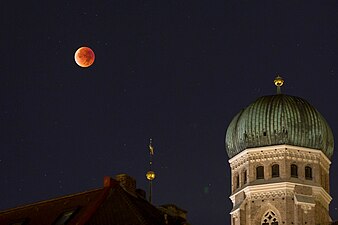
<point x="279" y="119"/>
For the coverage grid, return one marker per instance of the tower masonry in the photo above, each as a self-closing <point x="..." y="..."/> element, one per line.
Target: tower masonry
<point x="280" y="149"/>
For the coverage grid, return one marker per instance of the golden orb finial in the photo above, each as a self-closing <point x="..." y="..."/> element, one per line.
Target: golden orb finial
<point x="278" y="81"/>
<point x="150" y="175"/>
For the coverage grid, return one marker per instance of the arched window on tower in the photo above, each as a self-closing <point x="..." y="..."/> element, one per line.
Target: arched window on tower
<point x="294" y="170"/>
<point x="244" y="177"/>
<point x="269" y="218"/>
<point x="308" y="173"/>
<point x="237" y="181"/>
<point x="275" y="170"/>
<point x="260" y="172"/>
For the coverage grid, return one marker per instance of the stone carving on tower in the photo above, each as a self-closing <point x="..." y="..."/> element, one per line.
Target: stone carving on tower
<point x="280" y="149"/>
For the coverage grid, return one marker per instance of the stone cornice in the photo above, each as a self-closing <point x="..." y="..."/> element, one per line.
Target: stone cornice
<point x="278" y="152"/>
<point x="322" y="196"/>
<point x="279" y="190"/>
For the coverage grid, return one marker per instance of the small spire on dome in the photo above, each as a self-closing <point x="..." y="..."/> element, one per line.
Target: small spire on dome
<point x="278" y="82"/>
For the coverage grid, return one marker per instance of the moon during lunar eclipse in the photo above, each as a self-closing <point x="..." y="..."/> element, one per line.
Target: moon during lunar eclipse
<point x="84" y="57"/>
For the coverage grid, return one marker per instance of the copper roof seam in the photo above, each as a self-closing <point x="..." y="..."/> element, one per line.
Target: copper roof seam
<point x="267" y="119"/>
<point x="270" y="123"/>
<point x="262" y="125"/>
<point x="240" y="133"/>
<point x="300" y="125"/>
<point x="282" y="121"/>
<point x="321" y="126"/>
<point x="274" y="121"/>
<point x="289" y="120"/>
<point x="247" y="117"/>
<point x="316" y="128"/>
<point x="231" y="136"/>
<point x="292" y="127"/>
<point x="306" y="125"/>
<point x="252" y="123"/>
<point x="286" y="122"/>
<point x="247" y="129"/>
<point x="258" y="126"/>
<point x="237" y="130"/>
<point x="298" y="134"/>
<point x="328" y="146"/>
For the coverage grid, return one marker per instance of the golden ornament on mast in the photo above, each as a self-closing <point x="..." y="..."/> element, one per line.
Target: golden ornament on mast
<point x="151" y="148"/>
<point x="278" y="82"/>
<point x="150" y="175"/>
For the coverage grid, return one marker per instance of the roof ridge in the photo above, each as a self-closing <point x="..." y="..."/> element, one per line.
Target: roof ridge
<point x="90" y="211"/>
<point x="139" y="215"/>
<point x="49" y="200"/>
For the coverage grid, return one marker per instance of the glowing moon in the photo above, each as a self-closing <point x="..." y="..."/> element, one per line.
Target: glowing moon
<point x="84" y="57"/>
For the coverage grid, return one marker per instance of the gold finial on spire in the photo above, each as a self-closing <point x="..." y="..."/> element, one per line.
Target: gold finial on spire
<point x="150" y="175"/>
<point x="278" y="82"/>
<point x="151" y="148"/>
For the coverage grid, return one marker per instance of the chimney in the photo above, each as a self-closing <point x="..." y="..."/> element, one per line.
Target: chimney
<point x="108" y="182"/>
<point x="127" y="182"/>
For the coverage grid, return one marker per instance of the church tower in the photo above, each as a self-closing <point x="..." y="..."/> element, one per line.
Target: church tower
<point x="280" y="149"/>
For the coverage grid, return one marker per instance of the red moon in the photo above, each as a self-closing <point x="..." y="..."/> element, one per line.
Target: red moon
<point x="84" y="57"/>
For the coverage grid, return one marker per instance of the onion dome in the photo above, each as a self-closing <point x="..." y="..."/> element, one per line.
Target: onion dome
<point x="279" y="119"/>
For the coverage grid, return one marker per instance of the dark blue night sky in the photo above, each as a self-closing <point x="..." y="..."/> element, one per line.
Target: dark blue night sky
<point x="174" y="71"/>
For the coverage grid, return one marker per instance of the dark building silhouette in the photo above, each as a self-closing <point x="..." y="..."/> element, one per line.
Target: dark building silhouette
<point x="117" y="203"/>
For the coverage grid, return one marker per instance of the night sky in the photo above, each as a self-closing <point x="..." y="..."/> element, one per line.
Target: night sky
<point x="174" y="71"/>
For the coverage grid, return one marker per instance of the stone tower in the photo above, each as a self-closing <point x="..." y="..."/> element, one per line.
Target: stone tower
<point x="280" y="149"/>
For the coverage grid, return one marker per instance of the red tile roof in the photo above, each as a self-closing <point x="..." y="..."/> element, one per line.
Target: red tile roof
<point x="111" y="204"/>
